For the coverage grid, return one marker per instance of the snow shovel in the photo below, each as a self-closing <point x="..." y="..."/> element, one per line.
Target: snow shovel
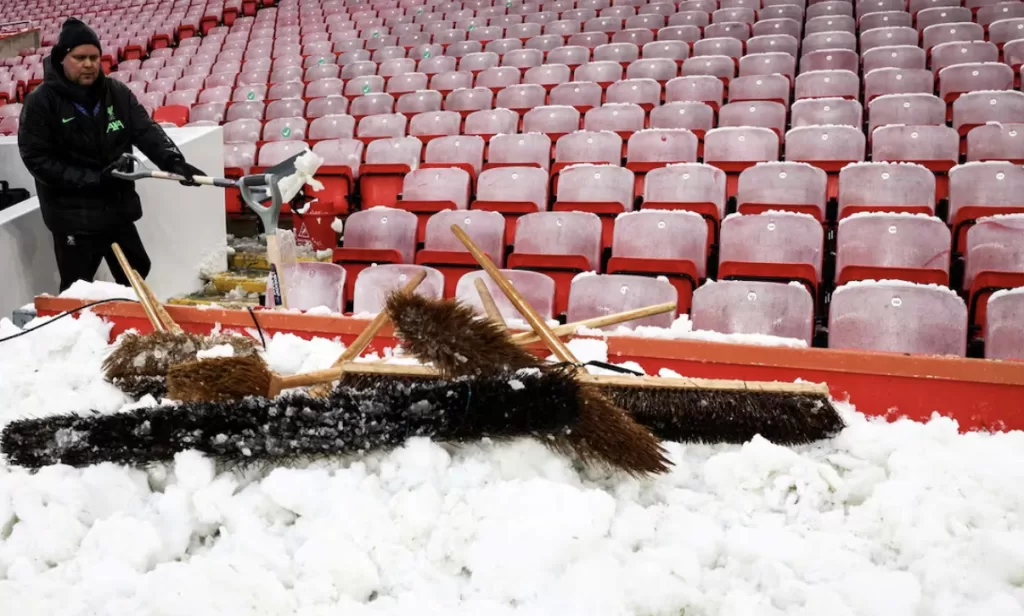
<point x="254" y="188"/>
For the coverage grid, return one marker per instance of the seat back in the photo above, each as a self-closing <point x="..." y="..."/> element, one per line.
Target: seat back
<point x="374" y="284"/>
<point x="487" y="230"/>
<point x="312" y="284"/>
<point x="536" y="288"/>
<point x="754" y="307"/>
<point x="560" y="233"/>
<point x="773" y="237"/>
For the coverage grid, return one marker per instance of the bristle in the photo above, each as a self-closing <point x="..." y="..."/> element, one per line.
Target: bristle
<point x="724" y="416"/>
<point x="605" y="433"/>
<point x="218" y="379"/>
<point x="453" y="337"/>
<point x="140" y="386"/>
<point x="154" y="353"/>
<point x="255" y="430"/>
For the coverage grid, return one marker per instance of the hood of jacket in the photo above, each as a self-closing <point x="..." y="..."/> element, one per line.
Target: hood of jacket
<point x="54" y="77"/>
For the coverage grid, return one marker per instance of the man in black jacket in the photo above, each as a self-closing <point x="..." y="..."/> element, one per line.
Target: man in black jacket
<point x="74" y="128"/>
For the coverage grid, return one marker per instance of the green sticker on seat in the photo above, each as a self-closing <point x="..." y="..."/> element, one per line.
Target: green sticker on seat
<point x="366" y="88"/>
<point x="426" y="54"/>
<point x="321" y="61"/>
<point x="251" y="95"/>
<point x="376" y="33"/>
<point x="286" y="132"/>
<point x="471" y="26"/>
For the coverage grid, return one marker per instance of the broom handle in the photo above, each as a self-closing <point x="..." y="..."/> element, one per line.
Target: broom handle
<point x="133" y="279"/>
<point x="552" y="341"/>
<point x="159" y="309"/>
<point x="488" y="301"/>
<point x="363" y="340"/>
<point x="601" y="321"/>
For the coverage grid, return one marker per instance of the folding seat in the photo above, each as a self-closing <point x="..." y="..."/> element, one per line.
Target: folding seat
<point x="1004" y="31"/>
<point x="649" y="149"/>
<point x="220" y="80"/>
<point x="545" y="42"/>
<point x="907" y="109"/>
<point x="968" y="53"/>
<point x="465" y="152"/>
<point x="764" y="114"/>
<point x="487" y="123"/>
<point x="360" y="86"/>
<point x="498" y="78"/>
<point x="623" y="53"/>
<point x="396" y="66"/>
<point x="588" y="40"/>
<point x="829" y="148"/>
<point x="885" y="19"/>
<point x="754" y="307"/>
<point x="722" y="67"/>
<point x="790" y="11"/>
<point x="893" y="246"/>
<point x="144" y="74"/>
<point x="637" y="37"/>
<point x="286" y="108"/>
<point x="898" y="317"/>
<point x="274" y="153"/>
<point x="254" y="77"/>
<point x="362" y="71"/>
<point x="445" y="253"/>
<point x="605" y="190"/>
<point x="139" y="87"/>
<point x="585" y="147"/>
<point x="829" y="8"/>
<point x="991" y="14"/>
<point x="830" y="60"/>
<point x="829" y="41"/>
<point x="371" y="104"/>
<point x="286" y="74"/>
<point x="164" y="85"/>
<point x="673" y="244"/>
<point x="468" y="100"/>
<point x="944" y="33"/>
<point x="681" y="31"/>
<point x="559" y="244"/>
<point x="331" y="86"/>
<point x="594" y="296"/>
<point x="935" y="147"/>
<point x="412" y="103"/>
<point x="375" y="284"/>
<point x="405" y="83"/>
<point x="1004" y="336"/>
<point x="387" y="161"/>
<point x="210" y="112"/>
<point x="898" y="36"/>
<point x="830" y="23"/>
<point x="827" y="111"/>
<point x="767" y="64"/>
<point x="582" y="95"/>
<point x="730" y="47"/>
<point x="996" y="142"/>
<point x="375" y="127"/>
<point x="175" y="72"/>
<point x="784" y="25"/>
<point x="694" y="187"/>
<point x="531" y="150"/>
<point x="981" y="189"/>
<point x="902" y="57"/>
<point x="388" y="53"/>
<point x="446" y="83"/>
<point x="286" y="128"/>
<point x="512" y="191"/>
<point x="897" y="81"/>
<point x="977" y="108"/>
<point x="429" y="125"/>
<point x="760" y="88"/>
<point x="658" y="8"/>
<point x="182" y="98"/>
<point x="731" y="29"/>
<point x="735" y="148"/>
<point x="242" y="130"/>
<point x="479" y="61"/>
<point x="776" y="246"/>
<point x="772" y="43"/>
<point x="552" y="120"/>
<point x="602" y="73"/>
<point x="886" y="187"/>
<point x="621" y="118"/>
<point x="339" y="171"/>
<point x="525" y="31"/>
<point x="285" y="90"/>
<point x="191" y="82"/>
<point x="548" y="75"/>
<point x="783" y="186"/>
<point x="426" y="191"/>
<point x="827" y="84"/>
<point x="332" y="127"/>
<point x="661" y="69"/>
<point x="328" y="105"/>
<point x="696" y="88"/>
<point x="523" y="59"/>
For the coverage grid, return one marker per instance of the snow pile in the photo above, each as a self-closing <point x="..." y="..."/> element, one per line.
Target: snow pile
<point x="682" y="329"/>
<point x="898" y="519"/>
<point x="98" y="290"/>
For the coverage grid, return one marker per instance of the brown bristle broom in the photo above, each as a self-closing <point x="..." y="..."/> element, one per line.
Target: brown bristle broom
<point x="232" y="378"/>
<point x="695" y="410"/>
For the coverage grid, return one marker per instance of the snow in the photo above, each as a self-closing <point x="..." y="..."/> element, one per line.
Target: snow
<point x="98" y="290"/>
<point x="899" y="519"/>
<point x="668" y="213"/>
<point x="1006" y="292"/>
<point x="771" y="213"/>
<point x="338" y="225"/>
<point x="682" y="329"/>
<point x="892" y="283"/>
<point x="857" y="215"/>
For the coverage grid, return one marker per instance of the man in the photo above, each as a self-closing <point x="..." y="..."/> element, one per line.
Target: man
<point x="74" y="128"/>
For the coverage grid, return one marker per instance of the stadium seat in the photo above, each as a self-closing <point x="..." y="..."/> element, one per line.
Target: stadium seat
<point x="340" y="169"/>
<point x="426" y="191"/>
<point x="374" y="284"/>
<point x="1004" y="329"/>
<point x="754" y="307"/>
<point x="536" y="288"/>
<point x="657" y="147"/>
<point x="672" y="244"/>
<point x="605" y="190"/>
<point x="934" y="147"/>
<point x="559" y="244"/>
<point x="733" y="149"/>
<point x="886" y="187"/>
<point x="601" y="295"/>
<point x="996" y="142"/>
<point x="898" y="317"/>
<point x="445" y="253"/>
<point x="983" y="189"/>
<point x="375" y="235"/>
<point x="993" y="260"/>
<point x="907" y="109"/>
<point x="786" y="186"/>
<point x="830" y="148"/>
<point x="892" y="246"/>
<point x="827" y="111"/>
<point x="774" y="246"/>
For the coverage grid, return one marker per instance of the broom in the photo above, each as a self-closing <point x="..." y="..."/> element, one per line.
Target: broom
<point x="139" y="364"/>
<point x="299" y="427"/>
<point x="687" y="410"/>
<point x="231" y="378"/>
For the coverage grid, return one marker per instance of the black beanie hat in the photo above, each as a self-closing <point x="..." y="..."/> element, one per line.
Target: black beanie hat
<point x="73" y="33"/>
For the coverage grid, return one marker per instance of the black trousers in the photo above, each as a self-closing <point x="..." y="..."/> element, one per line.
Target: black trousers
<point x="79" y="256"/>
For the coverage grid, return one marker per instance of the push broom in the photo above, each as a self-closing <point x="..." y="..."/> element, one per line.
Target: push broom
<point x="685" y="410"/>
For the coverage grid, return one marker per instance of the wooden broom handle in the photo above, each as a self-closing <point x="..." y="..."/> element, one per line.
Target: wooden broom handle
<point x="158" y="308"/>
<point x="601" y="321"/>
<point x="556" y="346"/>
<point x="133" y="279"/>
<point x="488" y="301"/>
<point x="363" y="340"/>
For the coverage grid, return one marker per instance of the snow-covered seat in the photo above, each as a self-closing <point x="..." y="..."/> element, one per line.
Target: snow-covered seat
<point x="788" y="186"/>
<point x="983" y="189"/>
<point x="776" y="245"/>
<point x="898" y="317"/>
<point x="444" y="252"/>
<point x="898" y="246"/>
<point x="311" y="285"/>
<point x="994" y="259"/>
<point x="599" y="295"/>
<point x="754" y="307"/>
<point x="375" y="283"/>
<point x="1004" y="328"/>
<point x="536" y="288"/>
<point x="996" y="142"/>
<point x="886" y="187"/>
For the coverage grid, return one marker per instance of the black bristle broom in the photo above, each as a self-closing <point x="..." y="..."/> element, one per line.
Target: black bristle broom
<point x="298" y="426"/>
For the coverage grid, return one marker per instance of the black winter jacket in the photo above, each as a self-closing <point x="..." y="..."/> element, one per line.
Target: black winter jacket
<point x="66" y="148"/>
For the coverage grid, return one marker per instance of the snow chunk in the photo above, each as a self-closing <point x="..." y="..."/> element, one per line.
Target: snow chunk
<point x="98" y="290"/>
<point x="338" y="225"/>
<point x="1006" y="292"/>
<point x="220" y="350"/>
<point x="886" y="215"/>
<point x="892" y="283"/>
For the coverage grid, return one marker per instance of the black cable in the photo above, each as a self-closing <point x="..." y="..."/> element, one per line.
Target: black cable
<point x="64" y="314"/>
<point x="259" y="329"/>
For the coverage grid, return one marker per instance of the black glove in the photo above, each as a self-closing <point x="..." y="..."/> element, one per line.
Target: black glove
<point x="187" y="171"/>
<point x="124" y="165"/>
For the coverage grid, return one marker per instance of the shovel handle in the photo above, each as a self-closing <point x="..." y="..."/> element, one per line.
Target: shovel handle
<point x="143" y="172"/>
